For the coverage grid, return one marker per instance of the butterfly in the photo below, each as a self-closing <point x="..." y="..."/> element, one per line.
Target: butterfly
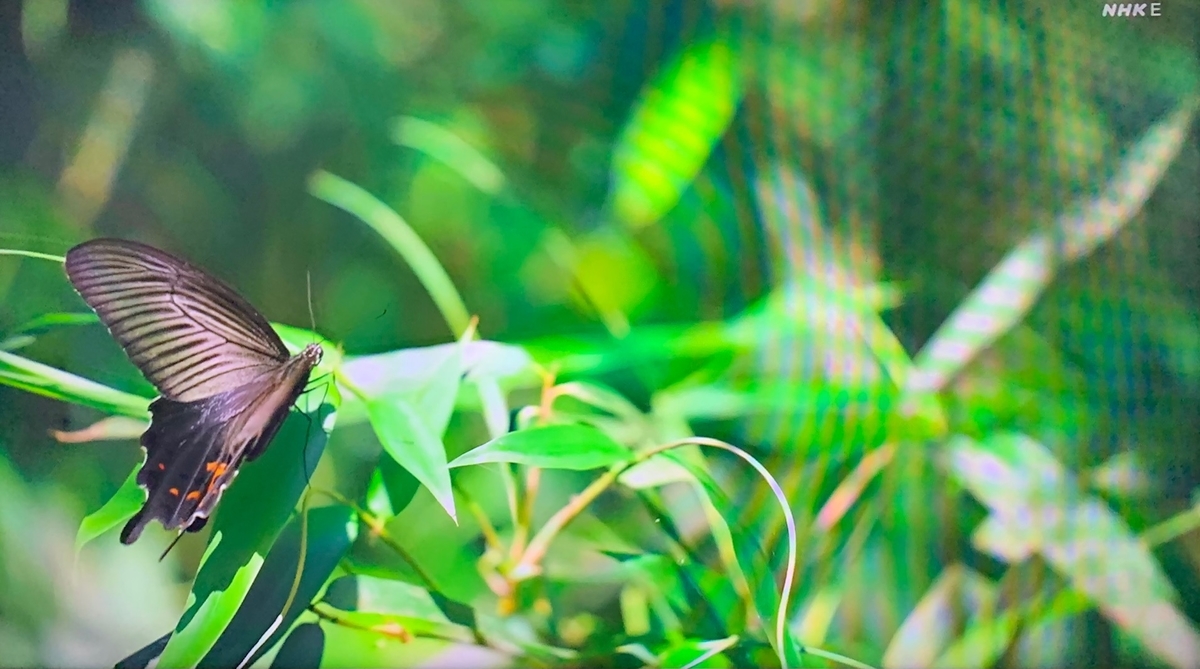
<point x="225" y="380"/>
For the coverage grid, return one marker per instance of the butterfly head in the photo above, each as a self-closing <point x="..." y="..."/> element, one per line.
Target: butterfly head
<point x="312" y="354"/>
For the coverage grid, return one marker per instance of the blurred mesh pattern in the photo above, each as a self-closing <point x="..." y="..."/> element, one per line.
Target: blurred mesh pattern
<point x="919" y="143"/>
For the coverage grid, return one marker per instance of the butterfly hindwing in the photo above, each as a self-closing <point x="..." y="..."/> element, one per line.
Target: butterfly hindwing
<point x="194" y="449"/>
<point x="189" y="462"/>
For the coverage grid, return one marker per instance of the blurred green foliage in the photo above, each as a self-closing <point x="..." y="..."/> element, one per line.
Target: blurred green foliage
<point x="935" y="265"/>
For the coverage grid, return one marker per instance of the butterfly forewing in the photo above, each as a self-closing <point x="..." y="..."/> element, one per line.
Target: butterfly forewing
<point x="190" y="334"/>
<point x="226" y="379"/>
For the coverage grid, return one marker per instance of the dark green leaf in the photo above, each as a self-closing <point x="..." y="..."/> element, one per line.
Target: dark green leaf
<point x="329" y="534"/>
<point x="303" y="648"/>
<point x="141" y="658"/>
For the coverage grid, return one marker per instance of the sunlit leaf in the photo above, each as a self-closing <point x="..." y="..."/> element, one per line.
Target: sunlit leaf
<point x="672" y="130"/>
<point x="47" y="381"/>
<point x="1011" y="288"/>
<point x="413" y="445"/>
<point x="551" y="447"/>
<point x="190" y="642"/>
<point x="118" y="509"/>
<point x="105" y="429"/>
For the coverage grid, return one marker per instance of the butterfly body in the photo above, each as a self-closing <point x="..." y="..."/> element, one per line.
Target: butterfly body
<point x="226" y="380"/>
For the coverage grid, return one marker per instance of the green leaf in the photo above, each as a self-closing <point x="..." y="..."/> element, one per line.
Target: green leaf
<point x="411" y="370"/>
<point x="696" y="653"/>
<point x="118" y="509"/>
<point x="261" y="621"/>
<point x="413" y="445"/>
<point x="302" y="648"/>
<point x="47" y="322"/>
<point x="392" y="488"/>
<point x="142" y="657"/>
<point x="576" y="447"/>
<point x="54" y="383"/>
<point x="189" y="643"/>
<point x="450" y="149"/>
<point x="410" y="416"/>
<point x="672" y="130"/>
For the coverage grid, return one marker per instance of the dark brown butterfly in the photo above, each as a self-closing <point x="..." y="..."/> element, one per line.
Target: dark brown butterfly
<point x="225" y="379"/>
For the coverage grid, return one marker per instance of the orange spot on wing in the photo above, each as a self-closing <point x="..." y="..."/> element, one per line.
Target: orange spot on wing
<point x="216" y="468"/>
<point x="195" y="494"/>
<point x="162" y="467"/>
<point x="174" y="491"/>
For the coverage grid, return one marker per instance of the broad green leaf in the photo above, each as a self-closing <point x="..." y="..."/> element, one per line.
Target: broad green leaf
<point x="118" y="509"/>
<point x="575" y="447"/>
<point x="349" y="647"/>
<point x="302" y="648"/>
<point x="409" y="439"/>
<point x="391" y="483"/>
<point x="190" y="642"/>
<point x="424" y="403"/>
<point x="54" y="383"/>
<point x="382" y="595"/>
<point x="411" y="370"/>
<point x="261" y="620"/>
<point x="678" y="119"/>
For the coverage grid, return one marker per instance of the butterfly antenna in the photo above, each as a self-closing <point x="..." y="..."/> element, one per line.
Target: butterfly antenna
<point x="312" y="318"/>
<point x="173" y="542"/>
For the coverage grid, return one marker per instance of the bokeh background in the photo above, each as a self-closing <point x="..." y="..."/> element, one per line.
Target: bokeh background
<point x="600" y="180"/>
